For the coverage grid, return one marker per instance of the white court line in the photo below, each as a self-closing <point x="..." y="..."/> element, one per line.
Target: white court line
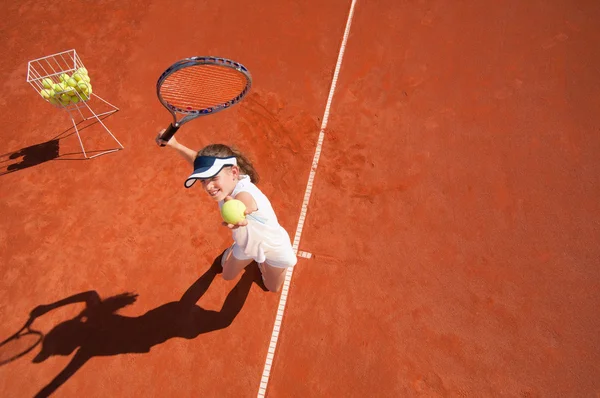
<point x="264" y="381"/>
<point x="304" y="254"/>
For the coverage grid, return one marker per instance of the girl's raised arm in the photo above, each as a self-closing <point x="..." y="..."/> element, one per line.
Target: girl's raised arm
<point x="187" y="153"/>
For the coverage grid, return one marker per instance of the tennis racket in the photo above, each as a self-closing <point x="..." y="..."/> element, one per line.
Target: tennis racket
<point x="19" y="344"/>
<point x="200" y="86"/>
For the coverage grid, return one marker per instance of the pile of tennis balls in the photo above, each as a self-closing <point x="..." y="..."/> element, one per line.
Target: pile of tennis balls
<point x="69" y="89"/>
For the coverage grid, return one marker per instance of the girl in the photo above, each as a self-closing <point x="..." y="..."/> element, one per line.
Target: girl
<point x="226" y="174"/>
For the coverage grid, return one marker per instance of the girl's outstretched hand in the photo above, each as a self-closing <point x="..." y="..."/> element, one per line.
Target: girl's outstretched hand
<point x="242" y="223"/>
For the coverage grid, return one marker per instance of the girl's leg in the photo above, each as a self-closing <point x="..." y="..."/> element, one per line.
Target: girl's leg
<point x="233" y="266"/>
<point x="273" y="277"/>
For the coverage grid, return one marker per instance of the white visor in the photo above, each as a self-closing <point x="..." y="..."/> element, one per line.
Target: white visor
<point x="208" y="167"/>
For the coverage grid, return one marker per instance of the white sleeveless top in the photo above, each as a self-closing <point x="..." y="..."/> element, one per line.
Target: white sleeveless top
<point x="263" y="238"/>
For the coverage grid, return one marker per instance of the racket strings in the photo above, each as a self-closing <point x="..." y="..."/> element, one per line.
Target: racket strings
<point x="201" y="94"/>
<point x="202" y="86"/>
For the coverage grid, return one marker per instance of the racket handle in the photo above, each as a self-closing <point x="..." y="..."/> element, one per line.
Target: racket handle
<point x="169" y="133"/>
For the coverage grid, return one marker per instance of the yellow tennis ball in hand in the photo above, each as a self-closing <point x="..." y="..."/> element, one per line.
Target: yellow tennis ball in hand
<point x="232" y="211"/>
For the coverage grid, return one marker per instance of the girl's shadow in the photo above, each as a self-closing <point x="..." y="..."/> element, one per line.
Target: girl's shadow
<point x="99" y="331"/>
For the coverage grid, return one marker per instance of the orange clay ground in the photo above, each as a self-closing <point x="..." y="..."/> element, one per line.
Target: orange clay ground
<point x="454" y="221"/>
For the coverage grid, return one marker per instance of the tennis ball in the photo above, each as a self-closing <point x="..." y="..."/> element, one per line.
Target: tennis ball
<point x="86" y="90"/>
<point x="64" y="77"/>
<point x="83" y="86"/>
<point x="53" y="101"/>
<point x="81" y="77"/>
<point x="71" y="82"/>
<point x="232" y="211"/>
<point x="47" y="83"/>
<point x="74" y="99"/>
<point x="82" y="71"/>
<point x="59" y="88"/>
<point x="47" y="93"/>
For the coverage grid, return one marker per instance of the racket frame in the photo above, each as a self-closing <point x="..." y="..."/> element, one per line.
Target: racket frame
<point x="194" y="113"/>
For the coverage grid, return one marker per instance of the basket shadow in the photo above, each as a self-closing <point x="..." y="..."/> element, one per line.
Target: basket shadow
<point x="99" y="331"/>
<point x="43" y="152"/>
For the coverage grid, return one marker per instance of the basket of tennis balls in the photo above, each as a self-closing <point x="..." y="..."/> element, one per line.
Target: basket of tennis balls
<point x="69" y="89"/>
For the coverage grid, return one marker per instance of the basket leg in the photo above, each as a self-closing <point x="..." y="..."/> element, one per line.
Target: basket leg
<point x="97" y="116"/>
<point x="79" y="138"/>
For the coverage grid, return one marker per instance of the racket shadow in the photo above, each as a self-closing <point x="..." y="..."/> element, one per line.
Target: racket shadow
<point x="99" y="331"/>
<point x="19" y="344"/>
<point x="43" y="152"/>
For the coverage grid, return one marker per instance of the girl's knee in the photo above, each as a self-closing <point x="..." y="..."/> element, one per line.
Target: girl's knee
<point x="230" y="272"/>
<point x="273" y="287"/>
<point x="273" y="277"/>
<point x="232" y="267"/>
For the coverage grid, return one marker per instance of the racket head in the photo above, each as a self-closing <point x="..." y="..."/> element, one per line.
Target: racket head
<point x="19" y="344"/>
<point x="199" y="86"/>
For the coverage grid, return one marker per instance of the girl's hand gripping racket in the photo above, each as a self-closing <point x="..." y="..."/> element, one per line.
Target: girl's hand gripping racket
<point x="200" y="86"/>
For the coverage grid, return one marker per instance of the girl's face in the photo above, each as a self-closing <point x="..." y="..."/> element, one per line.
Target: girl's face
<point x="221" y="185"/>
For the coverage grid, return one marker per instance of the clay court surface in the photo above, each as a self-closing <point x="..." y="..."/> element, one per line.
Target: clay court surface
<point x="454" y="222"/>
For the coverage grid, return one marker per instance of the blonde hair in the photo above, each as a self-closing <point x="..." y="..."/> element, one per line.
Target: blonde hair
<point x="223" y="151"/>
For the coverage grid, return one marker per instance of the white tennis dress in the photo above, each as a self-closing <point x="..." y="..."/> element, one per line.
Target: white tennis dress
<point x="263" y="239"/>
